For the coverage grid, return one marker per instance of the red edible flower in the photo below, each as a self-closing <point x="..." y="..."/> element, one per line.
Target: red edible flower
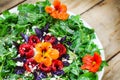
<point x="26" y="50"/>
<point x="30" y="63"/>
<point x="44" y="68"/>
<point x="57" y="65"/>
<point x="50" y="39"/>
<point x="33" y="40"/>
<point x="61" y="48"/>
<point x="91" y="63"/>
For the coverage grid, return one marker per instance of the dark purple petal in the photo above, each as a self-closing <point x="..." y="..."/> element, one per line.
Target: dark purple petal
<point x="21" y="59"/>
<point x="63" y="39"/>
<point x="66" y="56"/>
<point x="65" y="63"/>
<point x="16" y="45"/>
<point x="39" y="32"/>
<point x="41" y="75"/>
<point x="35" y="75"/>
<point x="45" y="29"/>
<point x="25" y="37"/>
<point x="38" y="78"/>
<point x="56" y="41"/>
<point x="59" y="72"/>
<point x="19" y="70"/>
<point x="69" y="43"/>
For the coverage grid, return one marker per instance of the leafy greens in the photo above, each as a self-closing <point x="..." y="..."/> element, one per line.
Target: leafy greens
<point x="12" y="24"/>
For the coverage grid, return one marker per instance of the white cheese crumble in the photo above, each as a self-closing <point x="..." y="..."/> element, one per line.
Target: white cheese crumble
<point x="19" y="63"/>
<point x="27" y="73"/>
<point x="70" y="61"/>
<point x="18" y="41"/>
<point x="59" y="38"/>
<point x="49" y="34"/>
<point x="35" y="52"/>
<point x="44" y="33"/>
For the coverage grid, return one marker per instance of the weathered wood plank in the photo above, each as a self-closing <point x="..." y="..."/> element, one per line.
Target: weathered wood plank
<point x="6" y="4"/>
<point x="76" y="6"/>
<point x="112" y="72"/>
<point x="105" y="18"/>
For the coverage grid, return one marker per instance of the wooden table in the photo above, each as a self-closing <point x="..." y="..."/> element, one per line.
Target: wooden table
<point x="104" y="17"/>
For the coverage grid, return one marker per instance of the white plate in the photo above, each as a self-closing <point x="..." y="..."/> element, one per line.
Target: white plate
<point x="97" y="41"/>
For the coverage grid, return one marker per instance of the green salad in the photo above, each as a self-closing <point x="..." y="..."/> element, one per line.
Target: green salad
<point x="44" y="42"/>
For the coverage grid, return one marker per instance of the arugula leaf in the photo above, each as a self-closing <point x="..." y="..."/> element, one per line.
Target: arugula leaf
<point x="104" y="63"/>
<point x="88" y="76"/>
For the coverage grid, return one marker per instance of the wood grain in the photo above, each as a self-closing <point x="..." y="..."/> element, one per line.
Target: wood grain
<point x="112" y="72"/>
<point x="7" y="4"/>
<point x="75" y="6"/>
<point x="105" y="18"/>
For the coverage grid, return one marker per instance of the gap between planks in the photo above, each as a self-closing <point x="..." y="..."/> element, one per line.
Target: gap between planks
<point x="13" y="5"/>
<point x="92" y="7"/>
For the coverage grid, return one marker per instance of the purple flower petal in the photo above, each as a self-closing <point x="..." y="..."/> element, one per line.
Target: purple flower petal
<point x="16" y="45"/>
<point x="35" y="75"/>
<point x="66" y="56"/>
<point x="45" y="29"/>
<point x="21" y="59"/>
<point x="65" y="63"/>
<point x="39" y="32"/>
<point x="63" y="39"/>
<point x="25" y="37"/>
<point x="19" y="70"/>
<point x="69" y="43"/>
<point x="59" y="72"/>
<point x="41" y="75"/>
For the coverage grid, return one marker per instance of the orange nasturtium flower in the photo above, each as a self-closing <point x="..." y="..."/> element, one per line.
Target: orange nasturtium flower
<point x="45" y="53"/>
<point x="91" y="63"/>
<point x="59" y="11"/>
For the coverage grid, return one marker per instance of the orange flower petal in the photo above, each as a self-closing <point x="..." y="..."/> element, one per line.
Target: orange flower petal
<point x="63" y="16"/>
<point x="63" y="8"/>
<point x="56" y="4"/>
<point x="91" y="63"/>
<point x="43" y="46"/>
<point x="38" y="57"/>
<point x="49" y="9"/>
<point x="46" y="45"/>
<point x="54" y="14"/>
<point x="47" y="61"/>
<point x="53" y="53"/>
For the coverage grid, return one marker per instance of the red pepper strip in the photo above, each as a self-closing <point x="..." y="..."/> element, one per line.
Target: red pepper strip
<point x="57" y="65"/>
